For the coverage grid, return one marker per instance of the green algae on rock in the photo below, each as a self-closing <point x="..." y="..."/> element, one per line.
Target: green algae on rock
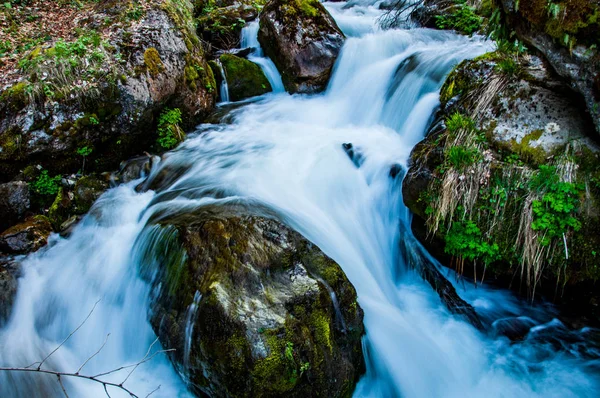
<point x="245" y="79"/>
<point x="247" y="304"/>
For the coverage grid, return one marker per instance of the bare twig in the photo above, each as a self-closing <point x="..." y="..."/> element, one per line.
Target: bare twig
<point x="95" y="378"/>
<point x="96" y="353"/>
<point x="67" y="338"/>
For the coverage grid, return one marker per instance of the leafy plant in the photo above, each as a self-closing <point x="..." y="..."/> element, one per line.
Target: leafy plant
<point x="465" y="241"/>
<point x="169" y="132"/>
<point x="460" y="157"/>
<point x="462" y="19"/>
<point x="46" y="185"/>
<point x="555" y="213"/>
<point x="459" y="121"/>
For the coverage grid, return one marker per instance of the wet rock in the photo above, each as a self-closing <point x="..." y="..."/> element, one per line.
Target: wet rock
<point x="221" y="25"/>
<point x="28" y="236"/>
<point x="134" y="169"/>
<point x="395" y="170"/>
<point x="516" y="329"/>
<point x="15" y="202"/>
<point x="86" y="191"/>
<point x="147" y="64"/>
<point x="245" y="79"/>
<point x="9" y="272"/>
<point x="303" y="41"/>
<point x="244" y="301"/>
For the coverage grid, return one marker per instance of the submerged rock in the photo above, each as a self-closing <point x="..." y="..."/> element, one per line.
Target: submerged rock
<point x="29" y="236"/>
<point x="249" y="306"/>
<point x="303" y="41"/>
<point x="245" y="79"/>
<point x="15" y="202"/>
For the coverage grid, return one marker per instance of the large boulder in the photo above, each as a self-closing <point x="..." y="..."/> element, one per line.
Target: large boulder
<point x="506" y="184"/>
<point x="245" y="79"/>
<point x="95" y="97"/>
<point x="566" y="33"/>
<point x="251" y="308"/>
<point x="303" y="41"/>
<point x="15" y="202"/>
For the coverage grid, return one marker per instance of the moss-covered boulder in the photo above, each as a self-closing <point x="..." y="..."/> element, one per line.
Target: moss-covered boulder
<point x="245" y="79"/>
<point x="252" y="308"/>
<point x="96" y="95"/>
<point x="221" y="22"/>
<point x="28" y="236"/>
<point x="303" y="41"/>
<point x="506" y="184"/>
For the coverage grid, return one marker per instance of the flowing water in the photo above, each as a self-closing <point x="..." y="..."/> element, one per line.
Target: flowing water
<point x="286" y="152"/>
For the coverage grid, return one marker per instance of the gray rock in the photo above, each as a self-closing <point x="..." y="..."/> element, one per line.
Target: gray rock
<point x="15" y="202"/>
<point x="303" y="44"/>
<point x="29" y="236"/>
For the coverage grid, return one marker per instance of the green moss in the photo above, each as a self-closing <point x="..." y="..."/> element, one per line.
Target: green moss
<point x="153" y="62"/>
<point x="529" y="154"/>
<point x="319" y="323"/>
<point x="272" y="373"/>
<point x="244" y="78"/>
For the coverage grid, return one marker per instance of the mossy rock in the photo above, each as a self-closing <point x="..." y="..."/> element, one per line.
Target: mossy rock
<point x="257" y="294"/>
<point x="245" y="79"/>
<point x="86" y="191"/>
<point x="28" y="236"/>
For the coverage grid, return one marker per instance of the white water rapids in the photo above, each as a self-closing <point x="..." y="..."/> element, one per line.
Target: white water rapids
<point x="286" y="152"/>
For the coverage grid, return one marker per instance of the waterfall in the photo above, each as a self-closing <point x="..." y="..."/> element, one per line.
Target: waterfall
<point x="286" y="152"/>
<point x="250" y="40"/>
<point x="224" y="89"/>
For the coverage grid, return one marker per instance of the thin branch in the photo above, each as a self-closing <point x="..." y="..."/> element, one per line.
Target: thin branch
<point x="62" y="386"/>
<point x="96" y="353"/>
<point x="132" y="365"/>
<point x="141" y="361"/>
<point x="66" y="374"/>
<point x="153" y="391"/>
<point x="68" y="337"/>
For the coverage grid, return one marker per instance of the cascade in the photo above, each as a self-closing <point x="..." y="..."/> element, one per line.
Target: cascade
<point x="286" y="153"/>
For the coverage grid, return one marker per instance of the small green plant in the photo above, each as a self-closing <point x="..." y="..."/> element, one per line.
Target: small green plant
<point x="507" y="66"/>
<point x="465" y="241"/>
<point x="45" y="185"/>
<point x="460" y="157"/>
<point x="84" y="152"/>
<point x="462" y="19"/>
<point x="555" y="214"/>
<point x="94" y="121"/>
<point x="459" y="121"/>
<point x="169" y="132"/>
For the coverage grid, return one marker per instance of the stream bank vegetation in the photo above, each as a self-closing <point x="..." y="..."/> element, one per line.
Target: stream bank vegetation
<point x="514" y="205"/>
